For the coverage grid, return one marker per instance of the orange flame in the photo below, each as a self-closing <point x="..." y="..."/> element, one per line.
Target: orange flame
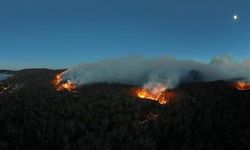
<point x="69" y="86"/>
<point x="156" y="94"/>
<point x="241" y="85"/>
<point x="146" y="94"/>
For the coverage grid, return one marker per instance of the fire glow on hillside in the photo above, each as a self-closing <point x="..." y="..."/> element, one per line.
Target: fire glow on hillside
<point x="146" y="94"/>
<point x="61" y="86"/>
<point x="242" y="85"/>
<point x="158" y="93"/>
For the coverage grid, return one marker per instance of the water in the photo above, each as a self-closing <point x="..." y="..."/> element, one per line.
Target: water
<point x="4" y="76"/>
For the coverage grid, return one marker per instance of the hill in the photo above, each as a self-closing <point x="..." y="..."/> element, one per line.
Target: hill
<point x="205" y="115"/>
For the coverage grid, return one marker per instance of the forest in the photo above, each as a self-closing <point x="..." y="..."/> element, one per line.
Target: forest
<point x="204" y="115"/>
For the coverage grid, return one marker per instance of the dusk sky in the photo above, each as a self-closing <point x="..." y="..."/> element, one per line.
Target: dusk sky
<point x="63" y="33"/>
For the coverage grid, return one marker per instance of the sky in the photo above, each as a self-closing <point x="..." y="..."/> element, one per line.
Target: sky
<point x="62" y="33"/>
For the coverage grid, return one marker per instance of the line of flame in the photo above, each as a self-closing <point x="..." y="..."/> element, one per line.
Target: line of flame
<point x="147" y="94"/>
<point x="241" y="85"/>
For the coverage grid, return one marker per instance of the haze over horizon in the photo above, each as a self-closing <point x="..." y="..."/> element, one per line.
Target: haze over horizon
<point x="62" y="33"/>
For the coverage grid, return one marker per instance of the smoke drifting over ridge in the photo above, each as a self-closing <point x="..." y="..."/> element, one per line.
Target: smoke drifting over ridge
<point x="151" y="72"/>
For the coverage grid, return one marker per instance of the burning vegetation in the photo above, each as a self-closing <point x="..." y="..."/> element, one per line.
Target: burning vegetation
<point x="242" y="85"/>
<point x="147" y="94"/>
<point x="106" y="115"/>
<point x="61" y="86"/>
<point x="157" y="93"/>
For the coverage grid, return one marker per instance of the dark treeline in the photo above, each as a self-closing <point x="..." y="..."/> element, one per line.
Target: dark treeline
<point x="108" y="117"/>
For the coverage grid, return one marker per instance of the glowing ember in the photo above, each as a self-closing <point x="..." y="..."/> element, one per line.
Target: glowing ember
<point x="60" y="86"/>
<point x="157" y="93"/>
<point x="241" y="85"/>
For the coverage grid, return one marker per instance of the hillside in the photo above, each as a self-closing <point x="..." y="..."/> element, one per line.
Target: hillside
<point x="204" y="115"/>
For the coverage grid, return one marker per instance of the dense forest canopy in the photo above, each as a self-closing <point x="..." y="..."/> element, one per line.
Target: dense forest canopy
<point x="35" y="116"/>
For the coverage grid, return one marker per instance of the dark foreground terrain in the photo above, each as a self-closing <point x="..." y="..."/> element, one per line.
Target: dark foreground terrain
<point x="34" y="116"/>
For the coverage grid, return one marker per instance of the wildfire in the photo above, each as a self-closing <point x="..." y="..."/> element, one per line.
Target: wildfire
<point x="60" y="86"/>
<point x="241" y="85"/>
<point x="158" y="93"/>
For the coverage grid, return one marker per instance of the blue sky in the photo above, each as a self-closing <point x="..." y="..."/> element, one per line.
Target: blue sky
<point x="63" y="33"/>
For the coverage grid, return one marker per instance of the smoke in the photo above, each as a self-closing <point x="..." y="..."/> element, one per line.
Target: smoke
<point x="151" y="72"/>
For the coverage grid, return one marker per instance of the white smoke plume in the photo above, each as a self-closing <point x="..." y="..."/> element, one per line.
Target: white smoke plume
<point x="149" y="72"/>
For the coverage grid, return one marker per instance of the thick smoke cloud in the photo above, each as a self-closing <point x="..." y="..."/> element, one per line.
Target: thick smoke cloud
<point x="152" y="71"/>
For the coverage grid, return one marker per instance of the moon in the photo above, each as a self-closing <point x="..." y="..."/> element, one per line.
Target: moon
<point x="235" y="17"/>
